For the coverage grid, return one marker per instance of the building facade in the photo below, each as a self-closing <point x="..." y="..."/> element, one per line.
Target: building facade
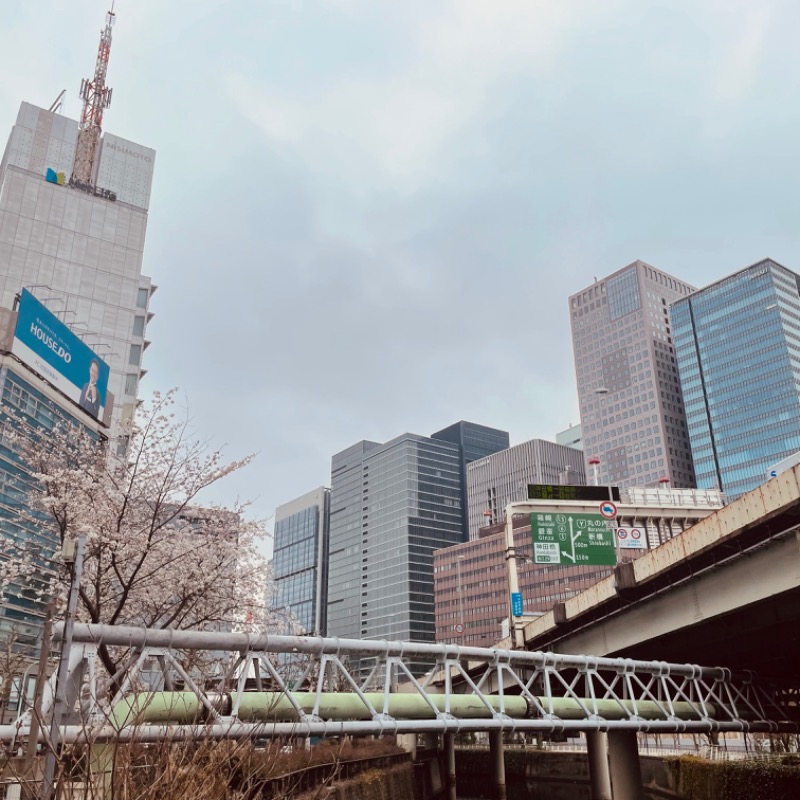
<point x="27" y="398"/>
<point x="571" y="437"/>
<point x="471" y="580"/>
<point x="475" y="442"/>
<point x="632" y="414"/>
<point x="738" y="352"/>
<point x="80" y="246"/>
<point x="502" y="478"/>
<point x="392" y="506"/>
<point x="300" y="560"/>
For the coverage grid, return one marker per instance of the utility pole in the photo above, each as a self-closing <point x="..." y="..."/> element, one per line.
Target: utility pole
<point x="515" y="629"/>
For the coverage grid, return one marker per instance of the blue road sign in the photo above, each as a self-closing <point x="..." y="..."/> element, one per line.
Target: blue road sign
<point x="516" y="604"/>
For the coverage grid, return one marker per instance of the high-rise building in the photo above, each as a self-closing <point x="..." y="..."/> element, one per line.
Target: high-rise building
<point x="471" y="579"/>
<point x="300" y="560"/>
<point x="474" y="441"/>
<point x="80" y="244"/>
<point x="49" y="380"/>
<point x="632" y="414"/>
<point x="502" y="478"/>
<point x="571" y="437"/>
<point x="392" y="505"/>
<point x="737" y="346"/>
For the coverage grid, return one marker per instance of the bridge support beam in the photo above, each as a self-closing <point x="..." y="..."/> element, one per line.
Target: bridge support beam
<point x="626" y="772"/>
<point x="450" y="764"/>
<point x="496" y="755"/>
<point x="599" y="775"/>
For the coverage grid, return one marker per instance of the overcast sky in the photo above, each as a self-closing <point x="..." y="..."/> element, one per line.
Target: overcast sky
<point x="367" y="215"/>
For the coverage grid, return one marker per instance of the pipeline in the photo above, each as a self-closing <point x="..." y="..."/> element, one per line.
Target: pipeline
<point x="187" y="708"/>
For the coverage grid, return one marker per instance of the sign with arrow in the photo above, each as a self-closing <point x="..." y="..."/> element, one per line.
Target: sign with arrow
<point x="572" y="539"/>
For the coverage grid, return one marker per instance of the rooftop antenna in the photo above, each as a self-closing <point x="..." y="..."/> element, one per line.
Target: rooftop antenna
<point x="59" y="101"/>
<point x="96" y="98"/>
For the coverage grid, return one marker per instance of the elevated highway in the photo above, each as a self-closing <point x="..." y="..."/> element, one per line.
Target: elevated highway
<point x="725" y="592"/>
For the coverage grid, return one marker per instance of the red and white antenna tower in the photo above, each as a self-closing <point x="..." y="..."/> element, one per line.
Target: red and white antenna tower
<point x="96" y="98"/>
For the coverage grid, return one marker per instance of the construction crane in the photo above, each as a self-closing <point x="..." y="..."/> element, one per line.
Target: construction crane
<point x="96" y="98"/>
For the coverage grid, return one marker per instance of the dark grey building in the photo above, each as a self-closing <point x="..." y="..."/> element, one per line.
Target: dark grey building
<point x="392" y="505"/>
<point x="474" y="442"/>
<point x="737" y="344"/>
<point x="300" y="560"/>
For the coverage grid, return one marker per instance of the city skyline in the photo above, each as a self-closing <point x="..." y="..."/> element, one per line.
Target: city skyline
<point x="293" y="224"/>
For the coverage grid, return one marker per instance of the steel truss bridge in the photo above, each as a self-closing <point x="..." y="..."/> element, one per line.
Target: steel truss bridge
<point x="299" y="686"/>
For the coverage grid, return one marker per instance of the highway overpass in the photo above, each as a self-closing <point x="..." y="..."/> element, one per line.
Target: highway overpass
<point x="724" y="592"/>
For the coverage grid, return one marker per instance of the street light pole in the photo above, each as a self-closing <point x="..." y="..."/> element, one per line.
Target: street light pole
<point x="460" y="601"/>
<point x="60" y="702"/>
<point x="601" y="392"/>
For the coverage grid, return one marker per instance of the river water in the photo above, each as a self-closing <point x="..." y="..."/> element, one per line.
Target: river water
<point x="541" y="790"/>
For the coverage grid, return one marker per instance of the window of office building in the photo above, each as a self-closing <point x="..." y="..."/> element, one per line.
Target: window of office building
<point x="623" y="294"/>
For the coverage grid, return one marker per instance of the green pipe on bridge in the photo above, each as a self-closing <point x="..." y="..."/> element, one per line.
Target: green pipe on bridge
<point x="186" y="707"/>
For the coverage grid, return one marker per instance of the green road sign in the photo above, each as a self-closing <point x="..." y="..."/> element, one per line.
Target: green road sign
<point x="572" y="539"/>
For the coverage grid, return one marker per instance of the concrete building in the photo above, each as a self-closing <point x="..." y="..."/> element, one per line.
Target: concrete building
<point x="80" y="245"/>
<point x="471" y="581"/>
<point x="392" y="506"/>
<point x="475" y="442"/>
<point x="502" y="478"/>
<point x="632" y="413"/>
<point x="571" y="437"/>
<point x="43" y="405"/>
<point x="737" y="345"/>
<point x="300" y="560"/>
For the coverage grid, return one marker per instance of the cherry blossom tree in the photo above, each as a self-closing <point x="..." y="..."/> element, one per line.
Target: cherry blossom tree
<point x="156" y="555"/>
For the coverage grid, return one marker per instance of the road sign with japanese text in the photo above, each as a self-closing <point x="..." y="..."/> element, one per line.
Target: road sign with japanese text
<point x="572" y="539"/>
<point x="631" y="539"/>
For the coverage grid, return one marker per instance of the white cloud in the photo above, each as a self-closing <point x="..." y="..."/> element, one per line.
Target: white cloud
<point x="736" y="70"/>
<point x="400" y="124"/>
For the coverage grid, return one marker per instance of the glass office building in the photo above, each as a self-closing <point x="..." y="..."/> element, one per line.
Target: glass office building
<point x="392" y="506"/>
<point x="26" y="396"/>
<point x="475" y="442"/>
<point x="737" y="343"/>
<point x="300" y="560"/>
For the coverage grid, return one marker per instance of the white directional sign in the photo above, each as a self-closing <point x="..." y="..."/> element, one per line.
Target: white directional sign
<point x="631" y="539"/>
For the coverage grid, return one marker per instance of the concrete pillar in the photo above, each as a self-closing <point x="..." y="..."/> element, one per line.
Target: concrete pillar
<point x="450" y="762"/>
<point x="626" y="772"/>
<point x="498" y="764"/>
<point x="599" y="775"/>
<point x="408" y="741"/>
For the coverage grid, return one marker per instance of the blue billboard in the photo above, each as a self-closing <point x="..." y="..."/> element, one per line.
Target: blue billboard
<point x="50" y="348"/>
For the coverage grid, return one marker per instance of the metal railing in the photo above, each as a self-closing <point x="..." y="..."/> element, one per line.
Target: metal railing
<point x="314" y="686"/>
